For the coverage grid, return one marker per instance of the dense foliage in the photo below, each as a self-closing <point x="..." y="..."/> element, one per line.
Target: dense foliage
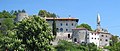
<point x="70" y="46"/>
<point x="115" y="47"/>
<point x="44" y="13"/>
<point x="32" y="34"/>
<point x="83" y="25"/>
<point x="35" y="34"/>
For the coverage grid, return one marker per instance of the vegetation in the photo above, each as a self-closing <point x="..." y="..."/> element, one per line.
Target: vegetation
<point x="83" y="25"/>
<point x="114" y="44"/>
<point x="30" y="34"/>
<point x="70" y="46"/>
<point x="115" y="47"/>
<point x="7" y="24"/>
<point x="44" y="13"/>
<point x="54" y="27"/>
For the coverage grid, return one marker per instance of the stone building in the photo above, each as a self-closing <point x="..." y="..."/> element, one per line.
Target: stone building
<point x="79" y="35"/>
<point x="64" y="28"/>
<point x="101" y="37"/>
<point x="21" y="16"/>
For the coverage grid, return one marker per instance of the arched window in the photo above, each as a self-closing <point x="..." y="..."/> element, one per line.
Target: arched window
<point x="61" y="29"/>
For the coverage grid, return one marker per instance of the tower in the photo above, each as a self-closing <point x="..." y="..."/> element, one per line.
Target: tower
<point x="98" y="21"/>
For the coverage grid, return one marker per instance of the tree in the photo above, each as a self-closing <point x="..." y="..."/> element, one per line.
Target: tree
<point x="115" y="47"/>
<point x="23" y="11"/>
<point x="83" y="25"/>
<point x="70" y="46"/>
<point x="54" y="27"/>
<point x="35" y="34"/>
<point x="7" y="24"/>
<point x="44" y="13"/>
<point x="10" y="42"/>
<point x="114" y="40"/>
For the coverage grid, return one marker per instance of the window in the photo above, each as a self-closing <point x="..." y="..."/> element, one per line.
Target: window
<point x="61" y="29"/>
<point x="0" y="23"/>
<point x="66" y="29"/>
<point x="66" y="24"/>
<point x="106" y="35"/>
<point x="68" y="35"/>
<point x="106" y="40"/>
<point x="72" y="24"/>
<point x="95" y="33"/>
<point x="102" y="35"/>
<point x="75" y="40"/>
<point x="61" y="24"/>
<point x="92" y="33"/>
<point x="95" y="38"/>
<point x="100" y="39"/>
<point x="92" y="37"/>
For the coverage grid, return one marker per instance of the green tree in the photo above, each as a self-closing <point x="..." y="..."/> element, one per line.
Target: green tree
<point x="23" y="11"/>
<point x="44" y="13"/>
<point x="83" y="25"/>
<point x="115" y="47"/>
<point x="70" y="46"/>
<point x="35" y="34"/>
<point x="10" y="41"/>
<point x="54" y="27"/>
<point x="7" y="24"/>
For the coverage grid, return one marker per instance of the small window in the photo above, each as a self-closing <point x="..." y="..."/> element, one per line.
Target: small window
<point x="75" y="40"/>
<point x="72" y="24"/>
<point x="100" y="39"/>
<point x="106" y="40"/>
<point x="66" y="29"/>
<point x="61" y="29"/>
<point x="106" y="35"/>
<point x="102" y="35"/>
<point x="92" y="37"/>
<point x="61" y="24"/>
<point x="0" y="23"/>
<point x="95" y="38"/>
<point x="66" y="24"/>
<point x="68" y="35"/>
<point x="92" y="33"/>
<point x="95" y="33"/>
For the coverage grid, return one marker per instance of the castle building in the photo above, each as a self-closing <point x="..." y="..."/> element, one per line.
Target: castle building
<point x="64" y="26"/>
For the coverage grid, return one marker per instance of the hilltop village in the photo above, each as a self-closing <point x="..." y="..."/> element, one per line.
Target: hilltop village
<point x="46" y="31"/>
<point x="66" y="30"/>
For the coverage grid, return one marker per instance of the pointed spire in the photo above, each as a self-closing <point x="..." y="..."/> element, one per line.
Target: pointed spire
<point x="98" y="19"/>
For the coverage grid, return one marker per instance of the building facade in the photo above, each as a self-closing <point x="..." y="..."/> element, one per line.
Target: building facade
<point x="64" y="27"/>
<point x="79" y="35"/>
